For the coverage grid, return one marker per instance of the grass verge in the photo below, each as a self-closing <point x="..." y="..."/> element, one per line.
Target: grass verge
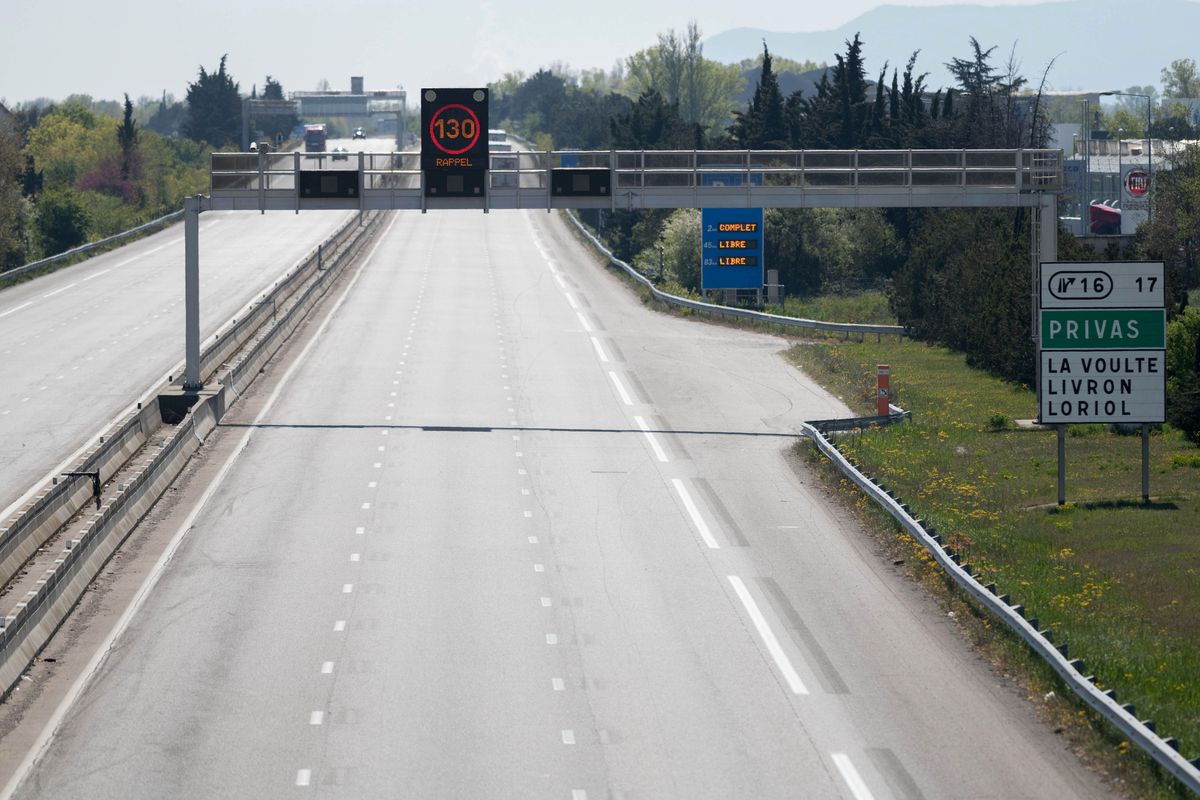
<point x="1117" y="579"/>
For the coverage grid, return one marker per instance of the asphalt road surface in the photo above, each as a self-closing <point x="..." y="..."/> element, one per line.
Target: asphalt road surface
<point x="506" y="533"/>
<point x="81" y="344"/>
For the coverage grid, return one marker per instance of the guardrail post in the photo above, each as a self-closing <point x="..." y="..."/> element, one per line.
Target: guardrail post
<point x="191" y="291"/>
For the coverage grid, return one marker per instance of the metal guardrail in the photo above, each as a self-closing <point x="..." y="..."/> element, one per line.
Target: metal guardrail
<point x="1070" y="670"/>
<point x="90" y="246"/>
<point x="728" y="311"/>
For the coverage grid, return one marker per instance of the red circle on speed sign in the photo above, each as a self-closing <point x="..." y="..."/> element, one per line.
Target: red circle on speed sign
<point x="1137" y="182"/>
<point x="451" y="125"/>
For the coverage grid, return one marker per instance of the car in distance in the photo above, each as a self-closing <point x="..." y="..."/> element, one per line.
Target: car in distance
<point x="359" y="133"/>
<point x="340" y="153"/>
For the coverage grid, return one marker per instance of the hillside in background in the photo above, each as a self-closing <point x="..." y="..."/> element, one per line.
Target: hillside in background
<point x="1100" y="44"/>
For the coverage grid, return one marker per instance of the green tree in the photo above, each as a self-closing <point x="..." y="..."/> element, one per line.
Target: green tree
<point x="60" y="221"/>
<point x="1183" y="373"/>
<point x="272" y="89"/>
<point x="677" y="69"/>
<point x="214" y="108"/>
<point x="1181" y="79"/>
<point x="12" y="204"/>
<point x="763" y="125"/>
<point x="1172" y="235"/>
<point x="127" y="138"/>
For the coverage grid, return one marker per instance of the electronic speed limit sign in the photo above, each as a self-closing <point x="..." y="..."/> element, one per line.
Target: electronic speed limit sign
<point x="454" y="126"/>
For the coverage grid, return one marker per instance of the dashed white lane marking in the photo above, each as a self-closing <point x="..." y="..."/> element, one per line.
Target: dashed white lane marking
<point x="15" y="309"/>
<point x="316" y="718"/>
<point x="654" y="445"/>
<point x="355" y="557"/>
<point x="768" y="636"/>
<point x="561" y="282"/>
<point x="583" y="321"/>
<point x="373" y="485"/>
<point x="347" y="588"/>
<point x="578" y="794"/>
<point x="551" y="638"/>
<point x="858" y="787"/>
<point x="568" y="736"/>
<point x="599" y="350"/>
<point x="377" y="465"/>
<point x="327" y="668"/>
<point x="60" y="291"/>
<point x="519" y="454"/>
<point x="616" y="379"/>
<point x="366" y="506"/>
<point x="533" y="540"/>
<point x="571" y="300"/>
<point x="545" y="602"/>
<point x="303" y="777"/>
<point x="539" y="567"/>
<point x="558" y="684"/>
<point x="694" y="513"/>
<point x="528" y="514"/>
<point x="360" y="530"/>
<point x="339" y="626"/>
<point x="95" y="275"/>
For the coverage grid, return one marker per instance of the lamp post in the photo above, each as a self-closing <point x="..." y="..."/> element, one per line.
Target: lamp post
<point x="1149" y="147"/>
<point x="1120" y="167"/>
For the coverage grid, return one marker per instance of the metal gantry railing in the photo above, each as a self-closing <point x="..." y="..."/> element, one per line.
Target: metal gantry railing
<point x="664" y="179"/>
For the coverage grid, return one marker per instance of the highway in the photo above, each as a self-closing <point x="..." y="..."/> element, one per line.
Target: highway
<point x="499" y="530"/>
<point x="81" y="344"/>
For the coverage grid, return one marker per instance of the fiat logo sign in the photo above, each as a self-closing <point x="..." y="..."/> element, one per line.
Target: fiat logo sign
<point x="1137" y="182"/>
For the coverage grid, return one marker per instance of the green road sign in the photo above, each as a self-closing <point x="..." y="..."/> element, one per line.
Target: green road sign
<point x="1103" y="329"/>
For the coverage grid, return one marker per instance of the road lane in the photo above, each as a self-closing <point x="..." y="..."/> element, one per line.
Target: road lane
<point x="451" y="562"/>
<point x="79" y="345"/>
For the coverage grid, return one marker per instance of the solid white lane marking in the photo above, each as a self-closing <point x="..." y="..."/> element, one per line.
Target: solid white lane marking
<point x="327" y="668"/>
<point x="347" y="588"/>
<point x="858" y="787"/>
<point x="568" y="736"/>
<point x="616" y="379"/>
<point x="15" y="309"/>
<point x="583" y="321"/>
<point x="551" y="638"/>
<point x="571" y="300"/>
<point x="63" y="289"/>
<point x="599" y="350"/>
<point x="339" y="626"/>
<point x="654" y="445"/>
<point x="303" y="777"/>
<point x="694" y="513"/>
<point x="768" y="636"/>
<point x="316" y="718"/>
<point x="561" y="282"/>
<point x="558" y="684"/>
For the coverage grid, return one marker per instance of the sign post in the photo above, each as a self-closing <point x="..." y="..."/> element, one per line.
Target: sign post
<point x="731" y="249"/>
<point x="1103" y="347"/>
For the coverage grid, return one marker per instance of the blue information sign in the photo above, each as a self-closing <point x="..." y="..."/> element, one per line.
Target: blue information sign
<point x="731" y="250"/>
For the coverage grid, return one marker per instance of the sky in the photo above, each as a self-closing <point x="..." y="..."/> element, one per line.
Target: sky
<point x="54" y="48"/>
